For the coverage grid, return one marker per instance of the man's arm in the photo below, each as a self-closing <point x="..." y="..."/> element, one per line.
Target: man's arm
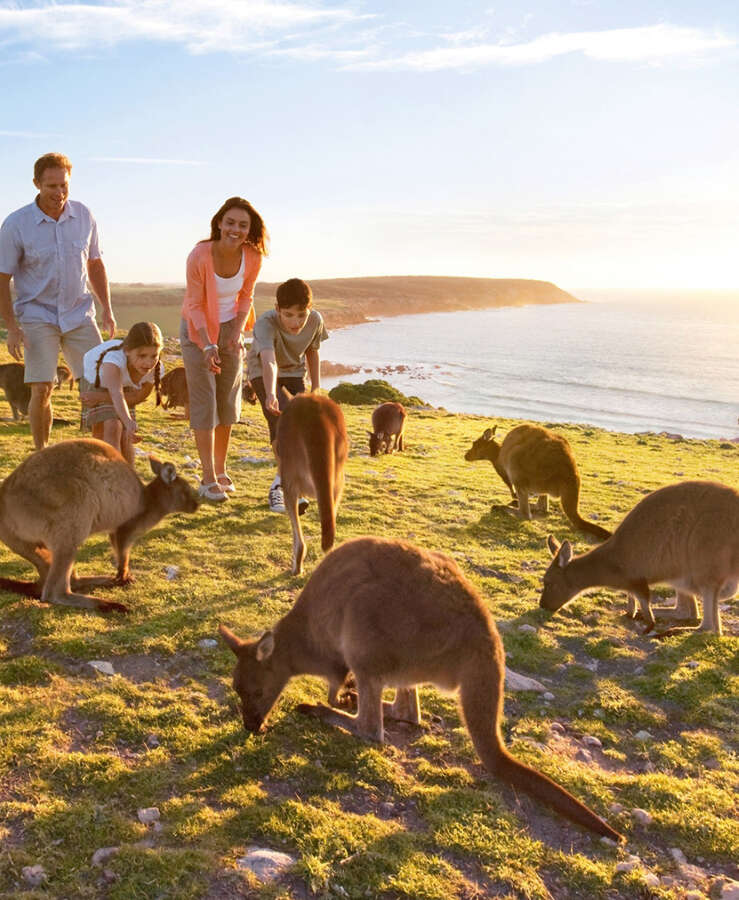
<point x="313" y="362"/>
<point x="15" y="332"/>
<point x="98" y="278"/>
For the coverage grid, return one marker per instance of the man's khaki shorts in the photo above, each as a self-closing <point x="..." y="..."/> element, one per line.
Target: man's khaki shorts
<point x="43" y="342"/>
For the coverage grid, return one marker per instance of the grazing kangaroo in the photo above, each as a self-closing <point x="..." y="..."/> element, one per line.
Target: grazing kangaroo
<point x="395" y="616"/>
<point x="60" y="495"/>
<point x="685" y="535"/>
<point x="533" y="460"/>
<point x="388" y="421"/>
<point x="311" y="447"/>
<point x="63" y="376"/>
<point x="174" y="391"/>
<point x="17" y="393"/>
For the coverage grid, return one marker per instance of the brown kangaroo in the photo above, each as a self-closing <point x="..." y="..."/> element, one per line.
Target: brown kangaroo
<point x="395" y="616"/>
<point x="174" y="390"/>
<point x="311" y="448"/>
<point x="60" y="495"/>
<point x="388" y="421"/>
<point x="63" y="376"/>
<point x="533" y="460"/>
<point x="17" y="393"/>
<point x="685" y="535"/>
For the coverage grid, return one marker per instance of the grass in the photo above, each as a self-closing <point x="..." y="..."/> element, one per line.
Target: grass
<point x="81" y="752"/>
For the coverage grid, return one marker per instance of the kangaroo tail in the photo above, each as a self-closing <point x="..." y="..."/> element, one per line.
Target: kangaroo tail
<point x="25" y="588"/>
<point x="570" y="498"/>
<point x="322" y="470"/>
<point x="481" y="695"/>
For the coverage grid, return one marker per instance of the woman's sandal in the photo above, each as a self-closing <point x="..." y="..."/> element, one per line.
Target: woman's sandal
<point x="213" y="492"/>
<point x="225" y="483"/>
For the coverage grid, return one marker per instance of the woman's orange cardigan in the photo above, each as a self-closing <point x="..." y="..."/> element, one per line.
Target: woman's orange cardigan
<point x="200" y="306"/>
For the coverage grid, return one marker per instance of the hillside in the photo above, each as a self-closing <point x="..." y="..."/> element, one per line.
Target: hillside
<point x="628" y="723"/>
<point x="350" y="301"/>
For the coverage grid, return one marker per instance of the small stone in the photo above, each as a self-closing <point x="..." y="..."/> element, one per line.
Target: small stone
<point x="651" y="880"/>
<point x="694" y="895"/>
<point x="677" y="854"/>
<point x="547" y="695"/>
<point x="629" y="864"/>
<point x="171" y="572"/>
<point x="590" y="740"/>
<point x="642" y="816"/>
<point x="643" y="736"/>
<point x="527" y="629"/>
<point x="109" y="875"/>
<point x="34" y="875"/>
<point x="103" y="855"/>
<point x="584" y="756"/>
<point x="148" y="815"/>
<point x="616" y="808"/>
<point x="100" y="665"/>
<point x="599" y="713"/>
<point x="516" y="682"/>
<point x="591" y="665"/>
<point x="692" y="873"/>
<point x="266" y="864"/>
<point x="692" y="664"/>
<point x="208" y="644"/>
<point x="730" y="891"/>
<point x="387" y="808"/>
<point x="561" y="667"/>
<point x="557" y="728"/>
<point x="152" y="741"/>
<point x="609" y="842"/>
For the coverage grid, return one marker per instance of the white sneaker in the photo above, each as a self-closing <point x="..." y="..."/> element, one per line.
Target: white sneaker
<point x="276" y="499"/>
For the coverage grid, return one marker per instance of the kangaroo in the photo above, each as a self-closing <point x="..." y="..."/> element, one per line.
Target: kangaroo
<point x="174" y="390"/>
<point x="394" y="615"/>
<point x="63" y="376"/>
<point x="17" y="393"/>
<point x="388" y="421"/>
<point x="311" y="448"/>
<point x="60" y="495"/>
<point x="532" y="459"/>
<point x="685" y="535"/>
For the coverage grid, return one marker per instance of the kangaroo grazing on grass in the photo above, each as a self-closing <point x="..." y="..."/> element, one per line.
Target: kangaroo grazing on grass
<point x="685" y="535"/>
<point x="533" y="460"/>
<point x="174" y="391"/>
<point x="17" y="393"/>
<point x="59" y="496"/>
<point x="311" y="447"/>
<point x="395" y="616"/>
<point x="388" y="422"/>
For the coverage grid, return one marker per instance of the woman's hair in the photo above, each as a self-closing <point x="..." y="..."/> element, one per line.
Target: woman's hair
<point x="258" y="236"/>
<point x="142" y="334"/>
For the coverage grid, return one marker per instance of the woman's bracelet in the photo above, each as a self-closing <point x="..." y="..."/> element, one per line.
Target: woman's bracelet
<point x="210" y="347"/>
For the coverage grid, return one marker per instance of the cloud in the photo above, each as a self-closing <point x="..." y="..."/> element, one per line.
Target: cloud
<point x="146" y="161"/>
<point x="646" y="44"/>
<point x="28" y="134"/>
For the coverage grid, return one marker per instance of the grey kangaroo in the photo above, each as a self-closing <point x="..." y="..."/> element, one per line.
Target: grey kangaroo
<point x="388" y="424"/>
<point x="17" y="393"/>
<point x="395" y="616"/>
<point x="60" y="495"/>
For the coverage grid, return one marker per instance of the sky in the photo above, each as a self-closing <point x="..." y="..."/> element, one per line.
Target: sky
<point x="584" y="142"/>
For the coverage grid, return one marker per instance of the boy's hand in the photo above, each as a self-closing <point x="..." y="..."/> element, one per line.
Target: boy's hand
<point x="270" y="402"/>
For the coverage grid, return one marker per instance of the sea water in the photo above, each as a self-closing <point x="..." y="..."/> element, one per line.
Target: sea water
<point x="626" y="366"/>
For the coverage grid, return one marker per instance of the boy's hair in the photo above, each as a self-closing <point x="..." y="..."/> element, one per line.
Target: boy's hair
<point x="294" y="292"/>
<point x="142" y="334"/>
<point x="51" y="161"/>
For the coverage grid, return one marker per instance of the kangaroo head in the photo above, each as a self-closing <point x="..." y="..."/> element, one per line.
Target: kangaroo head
<point x="376" y="442"/>
<point x="557" y="588"/>
<point x="258" y="677"/>
<point x="175" y="493"/>
<point x="484" y="447"/>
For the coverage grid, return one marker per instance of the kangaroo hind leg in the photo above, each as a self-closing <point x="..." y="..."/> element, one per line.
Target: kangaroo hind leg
<point x="57" y="588"/>
<point x="367" y="723"/>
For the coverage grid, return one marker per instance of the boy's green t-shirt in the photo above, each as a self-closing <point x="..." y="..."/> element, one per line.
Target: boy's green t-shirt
<point x="289" y="348"/>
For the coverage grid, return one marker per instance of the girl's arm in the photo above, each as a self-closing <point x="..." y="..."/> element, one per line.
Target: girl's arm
<point x="313" y="362"/>
<point x="269" y="376"/>
<point x="138" y="395"/>
<point x="110" y="378"/>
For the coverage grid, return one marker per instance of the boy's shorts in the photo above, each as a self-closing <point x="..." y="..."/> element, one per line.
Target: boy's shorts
<point x="43" y="342"/>
<point x="295" y="385"/>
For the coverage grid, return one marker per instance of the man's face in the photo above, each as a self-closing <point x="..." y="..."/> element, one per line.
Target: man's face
<point x="53" y="190"/>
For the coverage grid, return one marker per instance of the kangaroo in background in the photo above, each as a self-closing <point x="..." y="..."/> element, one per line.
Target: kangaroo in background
<point x="388" y="421"/>
<point x="60" y="495"/>
<point x="685" y="535"/>
<point x="17" y="393"/>
<point x="63" y="376"/>
<point x="175" y="393"/>
<point x="533" y="460"/>
<point x="395" y="616"/>
<point x="311" y="448"/>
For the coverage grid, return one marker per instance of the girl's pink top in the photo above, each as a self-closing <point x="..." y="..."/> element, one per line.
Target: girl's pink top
<point x="200" y="307"/>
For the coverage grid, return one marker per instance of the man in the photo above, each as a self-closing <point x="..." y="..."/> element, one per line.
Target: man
<point x="50" y="248"/>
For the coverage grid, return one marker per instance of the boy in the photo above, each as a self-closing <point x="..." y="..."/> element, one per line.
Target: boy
<point x="287" y="340"/>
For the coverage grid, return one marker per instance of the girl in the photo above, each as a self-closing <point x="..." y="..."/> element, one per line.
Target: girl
<point x="117" y="376"/>
<point x="217" y="309"/>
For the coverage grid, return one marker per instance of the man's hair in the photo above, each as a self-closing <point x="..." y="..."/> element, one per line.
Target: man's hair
<point x="50" y="161"/>
<point x="294" y="292"/>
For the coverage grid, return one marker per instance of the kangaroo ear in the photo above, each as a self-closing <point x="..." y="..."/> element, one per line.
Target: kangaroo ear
<point x="265" y="646"/>
<point x="235" y="643"/>
<point x="168" y="473"/>
<point x="553" y="544"/>
<point x="565" y="553"/>
<point x="488" y="433"/>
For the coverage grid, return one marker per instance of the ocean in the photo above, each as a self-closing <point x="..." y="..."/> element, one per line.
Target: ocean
<point x="630" y="365"/>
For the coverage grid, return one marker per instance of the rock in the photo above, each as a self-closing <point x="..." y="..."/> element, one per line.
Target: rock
<point x="266" y="864"/>
<point x="152" y="741"/>
<point x="557" y="728"/>
<point x="599" y="713"/>
<point x="730" y="891"/>
<point x="583" y="755"/>
<point x="148" y="815"/>
<point x="34" y="875"/>
<point x="651" y="880"/>
<point x="692" y="664"/>
<point x="171" y="572"/>
<point x="590" y="740"/>
<point x="642" y="816"/>
<point x="591" y="665"/>
<point x="643" y="736"/>
<point x="527" y="629"/>
<point x="609" y="842"/>
<point x="208" y="644"/>
<point x="516" y="682"/>
<point x="548" y="695"/>
<point x="694" y="895"/>
<point x="103" y="855"/>
<point x="629" y="864"/>
<point x="677" y="854"/>
<point x="692" y="873"/>
<point x="100" y="665"/>
<point x="616" y="808"/>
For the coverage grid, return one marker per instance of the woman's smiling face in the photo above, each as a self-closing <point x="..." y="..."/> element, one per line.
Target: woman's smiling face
<point x="234" y="227"/>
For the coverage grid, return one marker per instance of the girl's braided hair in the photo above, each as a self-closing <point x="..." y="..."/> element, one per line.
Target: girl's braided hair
<point x="142" y="334"/>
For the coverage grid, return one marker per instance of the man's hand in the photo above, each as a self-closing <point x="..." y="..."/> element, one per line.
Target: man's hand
<point x="109" y="323"/>
<point x="16" y="341"/>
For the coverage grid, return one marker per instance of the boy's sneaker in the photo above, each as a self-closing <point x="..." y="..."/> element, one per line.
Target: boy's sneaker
<point x="276" y="499"/>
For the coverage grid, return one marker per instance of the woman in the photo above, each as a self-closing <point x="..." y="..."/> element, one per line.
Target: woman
<point x="218" y="307"/>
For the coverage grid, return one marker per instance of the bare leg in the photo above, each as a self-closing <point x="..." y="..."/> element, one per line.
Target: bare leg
<point x="40" y="413"/>
<point x="205" y="443"/>
<point x="112" y="430"/>
<point x="220" y="447"/>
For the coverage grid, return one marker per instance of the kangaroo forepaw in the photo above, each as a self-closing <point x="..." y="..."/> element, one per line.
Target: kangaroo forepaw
<point x="316" y="710"/>
<point x="124" y="580"/>
<point x="110" y="606"/>
<point x="348" y="700"/>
